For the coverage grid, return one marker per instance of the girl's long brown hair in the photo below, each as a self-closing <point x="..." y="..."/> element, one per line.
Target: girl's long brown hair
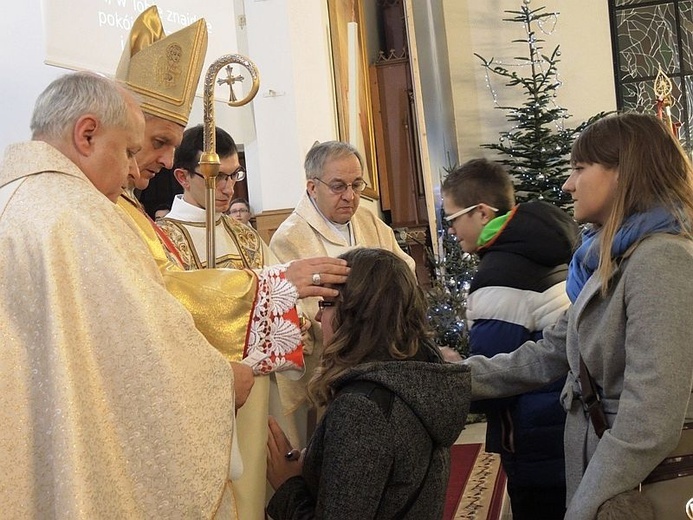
<point x="380" y="315"/>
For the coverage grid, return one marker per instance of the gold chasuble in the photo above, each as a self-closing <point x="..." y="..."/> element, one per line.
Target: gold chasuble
<point x="238" y="246"/>
<point x="113" y="405"/>
<point x="242" y="315"/>
<point x="239" y="311"/>
<point x="221" y="301"/>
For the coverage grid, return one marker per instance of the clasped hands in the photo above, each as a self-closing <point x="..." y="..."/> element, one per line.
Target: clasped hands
<point x="283" y="461"/>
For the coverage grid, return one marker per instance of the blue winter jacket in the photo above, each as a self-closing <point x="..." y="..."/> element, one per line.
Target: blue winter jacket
<point x="518" y="290"/>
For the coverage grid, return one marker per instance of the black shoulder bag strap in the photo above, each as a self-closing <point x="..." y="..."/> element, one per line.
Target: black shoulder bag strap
<point x="384" y="397"/>
<point x="591" y="400"/>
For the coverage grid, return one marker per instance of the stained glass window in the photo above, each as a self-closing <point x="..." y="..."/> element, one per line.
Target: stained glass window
<point x="649" y="35"/>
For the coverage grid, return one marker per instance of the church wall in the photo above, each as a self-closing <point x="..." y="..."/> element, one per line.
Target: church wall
<point x="288" y="39"/>
<point x="24" y="74"/>
<point x="22" y="40"/>
<point x="582" y="30"/>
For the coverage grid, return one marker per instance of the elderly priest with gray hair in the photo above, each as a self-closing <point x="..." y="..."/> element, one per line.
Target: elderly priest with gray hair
<point x="113" y="404"/>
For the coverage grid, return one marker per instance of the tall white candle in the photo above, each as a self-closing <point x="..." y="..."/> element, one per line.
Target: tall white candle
<point x="352" y="89"/>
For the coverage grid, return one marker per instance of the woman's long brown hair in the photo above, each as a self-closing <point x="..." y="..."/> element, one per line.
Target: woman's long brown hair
<point x="380" y="315"/>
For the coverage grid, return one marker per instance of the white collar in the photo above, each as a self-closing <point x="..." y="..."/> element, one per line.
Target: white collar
<point x="343" y="229"/>
<point x="182" y="210"/>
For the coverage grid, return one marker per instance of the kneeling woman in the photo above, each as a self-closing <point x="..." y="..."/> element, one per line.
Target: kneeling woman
<point x="393" y="407"/>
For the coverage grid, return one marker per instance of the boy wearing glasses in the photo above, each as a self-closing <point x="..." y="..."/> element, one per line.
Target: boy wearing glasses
<point x="328" y="221"/>
<point x="240" y="210"/>
<point x="518" y="290"/>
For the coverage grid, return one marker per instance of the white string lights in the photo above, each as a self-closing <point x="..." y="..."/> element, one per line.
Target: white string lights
<point x="536" y="145"/>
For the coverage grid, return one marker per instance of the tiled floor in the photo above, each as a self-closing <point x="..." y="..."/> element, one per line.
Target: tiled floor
<point x="472" y="433"/>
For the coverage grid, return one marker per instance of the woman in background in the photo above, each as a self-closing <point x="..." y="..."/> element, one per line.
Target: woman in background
<point x="394" y="409"/>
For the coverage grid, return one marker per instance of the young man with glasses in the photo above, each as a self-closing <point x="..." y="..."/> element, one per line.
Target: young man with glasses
<point x="518" y="290"/>
<point x="328" y="221"/>
<point x="237" y="246"/>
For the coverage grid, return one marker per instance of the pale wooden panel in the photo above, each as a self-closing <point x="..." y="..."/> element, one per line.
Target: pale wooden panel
<point x="267" y="222"/>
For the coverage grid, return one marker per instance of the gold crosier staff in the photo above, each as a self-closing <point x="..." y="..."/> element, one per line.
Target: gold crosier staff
<point x="209" y="160"/>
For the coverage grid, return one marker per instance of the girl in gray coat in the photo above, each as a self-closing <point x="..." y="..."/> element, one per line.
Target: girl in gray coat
<point x="393" y="408"/>
<point x="631" y="287"/>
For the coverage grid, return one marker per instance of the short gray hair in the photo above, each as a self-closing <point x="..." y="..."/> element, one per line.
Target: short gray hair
<point x="73" y="95"/>
<point x="322" y="152"/>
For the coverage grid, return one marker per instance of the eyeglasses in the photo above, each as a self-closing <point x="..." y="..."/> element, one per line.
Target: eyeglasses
<point x="451" y="218"/>
<point x="237" y="175"/>
<point x="322" y="304"/>
<point x="338" y="187"/>
<point x="238" y="211"/>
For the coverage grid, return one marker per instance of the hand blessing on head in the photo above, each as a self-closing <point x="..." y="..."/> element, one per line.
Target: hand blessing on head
<point x="311" y="274"/>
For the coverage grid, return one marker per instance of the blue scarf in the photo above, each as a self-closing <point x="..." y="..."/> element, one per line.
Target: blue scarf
<point x="586" y="259"/>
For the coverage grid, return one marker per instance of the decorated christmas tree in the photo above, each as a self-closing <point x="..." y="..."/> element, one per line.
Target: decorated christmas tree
<point x="447" y="298"/>
<point x="536" y="148"/>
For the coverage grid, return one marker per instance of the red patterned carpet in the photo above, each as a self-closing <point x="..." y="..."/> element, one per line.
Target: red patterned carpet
<point x="476" y="486"/>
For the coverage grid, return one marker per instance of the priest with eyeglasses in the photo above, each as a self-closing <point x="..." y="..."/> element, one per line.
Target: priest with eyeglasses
<point x="327" y="222"/>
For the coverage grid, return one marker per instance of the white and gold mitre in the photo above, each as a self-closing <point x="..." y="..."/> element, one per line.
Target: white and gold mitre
<point x="163" y="70"/>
